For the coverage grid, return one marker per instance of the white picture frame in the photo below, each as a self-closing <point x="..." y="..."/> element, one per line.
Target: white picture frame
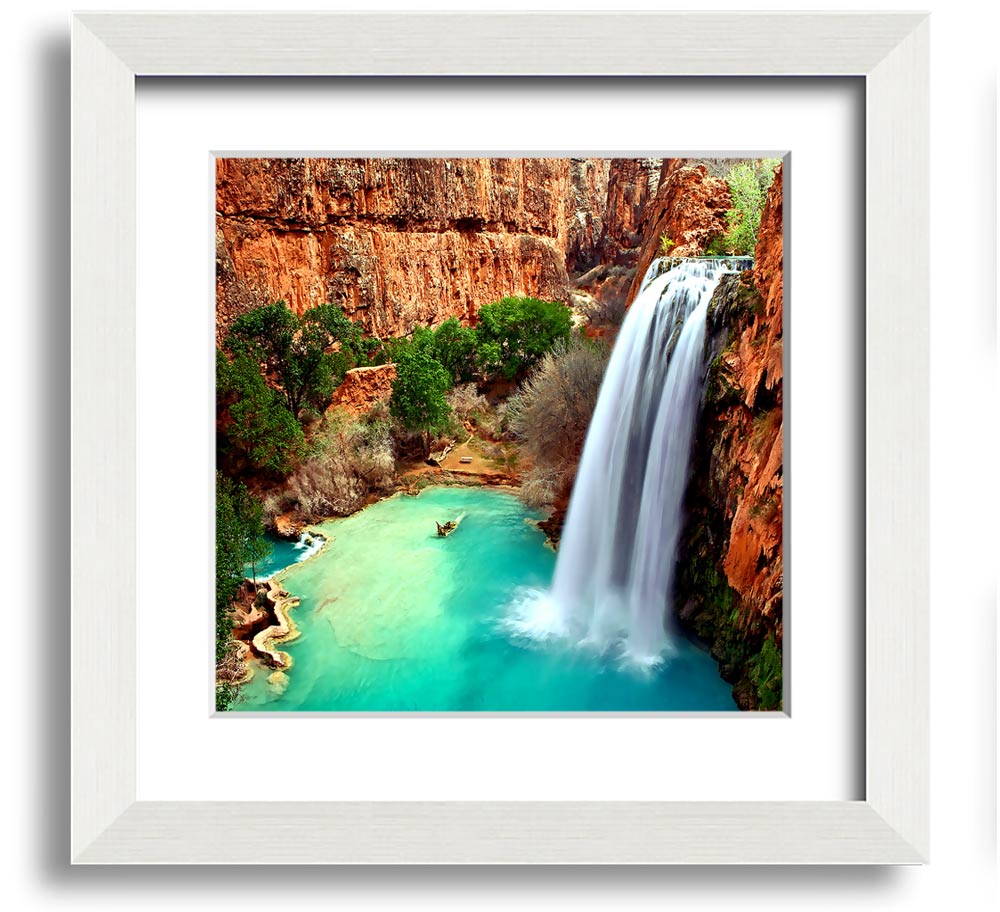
<point x="110" y="51"/>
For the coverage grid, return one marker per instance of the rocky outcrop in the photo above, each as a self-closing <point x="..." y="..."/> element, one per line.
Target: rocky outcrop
<point x="731" y="576"/>
<point x="398" y="243"/>
<point x="601" y="291"/>
<point x="363" y="387"/>
<point x="283" y="630"/>
<point x="632" y="183"/>
<point x="689" y="208"/>
<point x="588" y="202"/>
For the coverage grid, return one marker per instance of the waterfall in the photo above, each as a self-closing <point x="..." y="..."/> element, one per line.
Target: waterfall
<point x="617" y="555"/>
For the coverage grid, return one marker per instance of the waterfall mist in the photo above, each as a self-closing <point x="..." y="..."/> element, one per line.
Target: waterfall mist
<point x="615" y="567"/>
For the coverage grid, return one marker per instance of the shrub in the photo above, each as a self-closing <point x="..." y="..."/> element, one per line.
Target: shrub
<point x="666" y="245"/>
<point x="551" y="412"/>
<point x="765" y="674"/>
<point x="717" y="246"/>
<point x="239" y="540"/>
<point x="466" y="403"/>
<point x="260" y="428"/>
<point x="349" y="459"/>
<point x="539" y="487"/>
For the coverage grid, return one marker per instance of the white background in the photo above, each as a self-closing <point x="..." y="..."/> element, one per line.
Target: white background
<point x="963" y="501"/>
<point x="813" y="754"/>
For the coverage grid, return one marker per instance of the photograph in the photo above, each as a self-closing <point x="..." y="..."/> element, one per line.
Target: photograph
<point x="499" y="435"/>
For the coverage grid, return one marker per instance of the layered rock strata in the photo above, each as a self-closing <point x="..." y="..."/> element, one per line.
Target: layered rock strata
<point x="398" y="243"/>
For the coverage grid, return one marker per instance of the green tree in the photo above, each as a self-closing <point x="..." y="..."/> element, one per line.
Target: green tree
<point x="514" y="333"/>
<point x="418" y="392"/>
<point x="748" y="186"/>
<point x="260" y="425"/>
<point x="342" y="330"/>
<point x="455" y="346"/>
<point x="239" y="541"/>
<point x="293" y="352"/>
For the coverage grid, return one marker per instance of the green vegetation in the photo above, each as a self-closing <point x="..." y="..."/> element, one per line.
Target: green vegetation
<point x="514" y="333"/>
<point x="305" y="358"/>
<point x="239" y="540"/>
<point x="748" y="186"/>
<point x="666" y="245"/>
<point x="717" y="246"/>
<point x="419" y="390"/>
<point x="765" y="674"/>
<point x="261" y="428"/>
<point x="275" y="376"/>
<point x="456" y="347"/>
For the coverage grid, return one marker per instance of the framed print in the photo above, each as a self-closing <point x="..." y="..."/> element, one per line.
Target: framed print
<point x="119" y="344"/>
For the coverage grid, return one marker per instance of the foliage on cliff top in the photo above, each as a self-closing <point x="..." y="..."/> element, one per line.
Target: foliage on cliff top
<point x="748" y="186"/>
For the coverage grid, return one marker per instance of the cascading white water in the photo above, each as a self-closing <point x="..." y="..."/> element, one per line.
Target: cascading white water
<point x="617" y="554"/>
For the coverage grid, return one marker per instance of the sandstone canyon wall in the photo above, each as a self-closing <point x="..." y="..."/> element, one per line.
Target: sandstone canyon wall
<point x="730" y="581"/>
<point x="400" y="243"/>
<point x="689" y="207"/>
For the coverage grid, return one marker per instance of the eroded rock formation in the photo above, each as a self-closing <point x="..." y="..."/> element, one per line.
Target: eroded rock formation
<point x="689" y="208"/>
<point x="588" y="205"/>
<point x="398" y="243"/>
<point x="632" y="183"/>
<point x="363" y="387"/>
<point x="731" y="578"/>
<point x="401" y="243"/>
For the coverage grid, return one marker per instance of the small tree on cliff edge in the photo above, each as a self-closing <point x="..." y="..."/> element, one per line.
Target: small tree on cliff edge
<point x="748" y="186"/>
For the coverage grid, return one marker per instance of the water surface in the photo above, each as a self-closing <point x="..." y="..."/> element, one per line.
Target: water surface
<point x="394" y="618"/>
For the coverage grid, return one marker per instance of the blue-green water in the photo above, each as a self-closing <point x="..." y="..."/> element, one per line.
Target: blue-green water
<point x="284" y="554"/>
<point x="394" y="618"/>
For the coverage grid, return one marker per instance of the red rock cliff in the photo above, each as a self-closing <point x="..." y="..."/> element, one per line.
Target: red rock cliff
<point x="753" y="562"/>
<point x="588" y="204"/>
<point x="396" y="242"/>
<point x="731" y="578"/>
<point x="689" y="208"/>
<point x="632" y="183"/>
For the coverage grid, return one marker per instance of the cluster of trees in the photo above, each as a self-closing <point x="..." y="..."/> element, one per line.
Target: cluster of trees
<point x="239" y="542"/>
<point x="276" y="369"/>
<point x="510" y="338"/>
<point x="275" y="375"/>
